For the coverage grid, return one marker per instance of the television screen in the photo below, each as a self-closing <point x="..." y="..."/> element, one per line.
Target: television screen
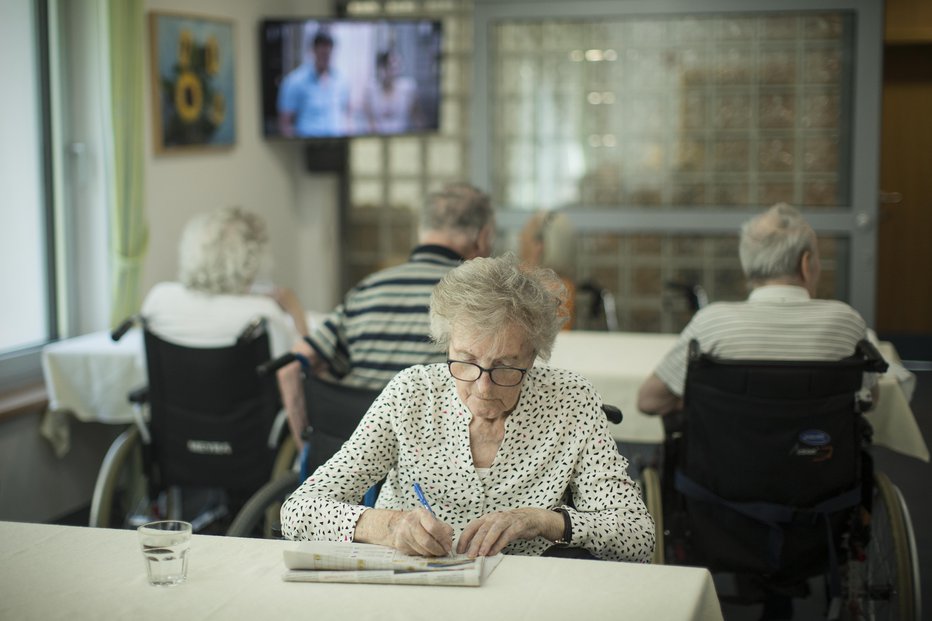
<point x="336" y="78"/>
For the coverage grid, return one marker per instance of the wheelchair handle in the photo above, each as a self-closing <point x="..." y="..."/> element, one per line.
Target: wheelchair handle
<point x="875" y="361"/>
<point x="612" y="413"/>
<point x="276" y="363"/>
<point x="122" y="329"/>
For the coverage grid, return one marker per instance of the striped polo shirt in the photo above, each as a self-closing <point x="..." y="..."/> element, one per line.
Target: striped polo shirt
<point x="776" y="322"/>
<point x="383" y="326"/>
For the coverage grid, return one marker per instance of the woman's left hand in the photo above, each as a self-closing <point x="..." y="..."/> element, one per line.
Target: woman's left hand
<point x="489" y="534"/>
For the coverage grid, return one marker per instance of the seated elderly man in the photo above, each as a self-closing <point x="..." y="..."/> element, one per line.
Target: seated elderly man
<point x="779" y="320"/>
<point x="512" y="457"/>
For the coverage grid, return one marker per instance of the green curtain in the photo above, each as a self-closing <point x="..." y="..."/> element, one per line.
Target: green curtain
<point x="129" y="232"/>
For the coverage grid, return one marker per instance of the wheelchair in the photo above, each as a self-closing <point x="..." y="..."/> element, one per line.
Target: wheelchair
<point x="207" y="433"/>
<point x="333" y="412"/>
<point x="767" y="476"/>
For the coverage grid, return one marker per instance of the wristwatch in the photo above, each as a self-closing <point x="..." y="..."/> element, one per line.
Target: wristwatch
<point x="567" y="528"/>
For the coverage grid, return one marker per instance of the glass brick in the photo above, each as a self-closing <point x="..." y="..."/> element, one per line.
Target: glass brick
<point x="366" y="193"/>
<point x="777" y="66"/>
<point x="443" y="158"/>
<point x="820" y="154"/>
<point x="404" y="194"/>
<point x="776" y="155"/>
<point x="366" y="156"/>
<point x="404" y="156"/>
<point x="776" y="109"/>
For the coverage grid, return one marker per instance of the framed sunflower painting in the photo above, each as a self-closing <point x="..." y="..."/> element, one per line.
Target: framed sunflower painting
<point x="193" y="96"/>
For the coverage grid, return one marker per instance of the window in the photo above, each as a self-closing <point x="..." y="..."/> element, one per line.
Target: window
<point x="27" y="315"/>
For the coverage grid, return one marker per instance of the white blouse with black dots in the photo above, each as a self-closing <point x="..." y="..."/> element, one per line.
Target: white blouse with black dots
<point x="556" y="447"/>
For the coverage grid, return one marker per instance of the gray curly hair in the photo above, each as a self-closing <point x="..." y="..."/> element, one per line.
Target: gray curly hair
<point x="484" y="296"/>
<point x="222" y="251"/>
<point x="773" y="243"/>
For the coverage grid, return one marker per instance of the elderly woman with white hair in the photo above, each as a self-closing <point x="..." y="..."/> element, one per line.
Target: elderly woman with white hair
<point x="221" y="254"/>
<point x="511" y="457"/>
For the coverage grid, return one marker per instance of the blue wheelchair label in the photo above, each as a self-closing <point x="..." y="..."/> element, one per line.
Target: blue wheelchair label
<point x="815" y="437"/>
<point x="814" y="444"/>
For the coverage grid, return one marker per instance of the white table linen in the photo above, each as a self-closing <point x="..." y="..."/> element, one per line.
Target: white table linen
<point x="91" y="375"/>
<point x="617" y="363"/>
<point x="66" y="572"/>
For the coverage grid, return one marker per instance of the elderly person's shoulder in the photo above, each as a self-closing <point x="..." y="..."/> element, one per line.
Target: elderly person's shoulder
<point x="420" y="377"/>
<point x="562" y="385"/>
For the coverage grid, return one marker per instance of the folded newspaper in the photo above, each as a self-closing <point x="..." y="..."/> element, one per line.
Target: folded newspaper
<point x="325" y="561"/>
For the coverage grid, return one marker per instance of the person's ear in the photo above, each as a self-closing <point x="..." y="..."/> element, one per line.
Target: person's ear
<point x="484" y="241"/>
<point x="809" y="270"/>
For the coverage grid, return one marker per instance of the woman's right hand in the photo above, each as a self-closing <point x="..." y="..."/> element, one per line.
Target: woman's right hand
<point x="415" y="532"/>
<point x="419" y="532"/>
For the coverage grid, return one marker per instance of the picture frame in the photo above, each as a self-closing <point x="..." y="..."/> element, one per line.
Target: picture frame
<point x="193" y="82"/>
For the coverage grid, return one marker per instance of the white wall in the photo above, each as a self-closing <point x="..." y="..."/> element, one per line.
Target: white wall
<point x="267" y="177"/>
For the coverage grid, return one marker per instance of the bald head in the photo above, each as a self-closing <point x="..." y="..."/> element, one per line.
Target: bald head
<point x="779" y="246"/>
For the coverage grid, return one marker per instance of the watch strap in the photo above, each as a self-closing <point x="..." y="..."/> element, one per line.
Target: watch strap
<point x="567" y="528"/>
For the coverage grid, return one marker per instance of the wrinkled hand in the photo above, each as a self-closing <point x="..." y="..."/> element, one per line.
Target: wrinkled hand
<point x="489" y="534"/>
<point x="419" y="532"/>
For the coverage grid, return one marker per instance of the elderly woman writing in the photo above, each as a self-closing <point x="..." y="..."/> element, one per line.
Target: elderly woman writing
<point x="511" y="457"/>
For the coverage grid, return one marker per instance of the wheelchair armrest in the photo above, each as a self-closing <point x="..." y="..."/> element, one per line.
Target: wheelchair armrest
<point x="275" y="364"/>
<point x="139" y="396"/>
<point x="875" y="361"/>
<point x="612" y="413"/>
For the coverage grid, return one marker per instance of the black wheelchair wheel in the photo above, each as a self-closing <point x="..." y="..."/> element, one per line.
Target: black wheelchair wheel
<point x="881" y="581"/>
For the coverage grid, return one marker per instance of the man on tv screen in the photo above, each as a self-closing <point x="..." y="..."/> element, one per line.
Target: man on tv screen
<point x="314" y="98"/>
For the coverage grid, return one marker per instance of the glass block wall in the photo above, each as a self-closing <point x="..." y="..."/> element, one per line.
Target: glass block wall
<point x="729" y="111"/>
<point x="682" y="112"/>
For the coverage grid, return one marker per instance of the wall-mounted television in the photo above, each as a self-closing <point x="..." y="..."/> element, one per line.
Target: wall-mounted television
<point x="335" y="78"/>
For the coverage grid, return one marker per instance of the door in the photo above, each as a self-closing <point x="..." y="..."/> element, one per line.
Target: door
<point x="904" y="283"/>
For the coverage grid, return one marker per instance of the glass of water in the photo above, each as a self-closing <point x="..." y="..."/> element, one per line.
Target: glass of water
<point x="165" y="549"/>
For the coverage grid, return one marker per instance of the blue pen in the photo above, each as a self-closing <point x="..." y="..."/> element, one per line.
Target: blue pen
<point x="422" y="498"/>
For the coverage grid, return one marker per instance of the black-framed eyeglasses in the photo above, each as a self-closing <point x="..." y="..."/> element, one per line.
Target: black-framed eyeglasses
<point x="471" y="372"/>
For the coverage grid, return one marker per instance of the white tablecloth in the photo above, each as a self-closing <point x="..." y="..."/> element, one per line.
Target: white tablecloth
<point x="91" y="375"/>
<point x="66" y="572"/>
<point x="618" y="362"/>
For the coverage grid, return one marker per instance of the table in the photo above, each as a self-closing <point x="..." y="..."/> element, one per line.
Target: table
<point x="89" y="377"/>
<point x="74" y="573"/>
<point x="618" y="362"/>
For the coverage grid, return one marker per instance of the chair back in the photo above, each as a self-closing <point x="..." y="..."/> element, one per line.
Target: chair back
<point x="769" y="463"/>
<point x="333" y="412"/>
<point x="211" y="414"/>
